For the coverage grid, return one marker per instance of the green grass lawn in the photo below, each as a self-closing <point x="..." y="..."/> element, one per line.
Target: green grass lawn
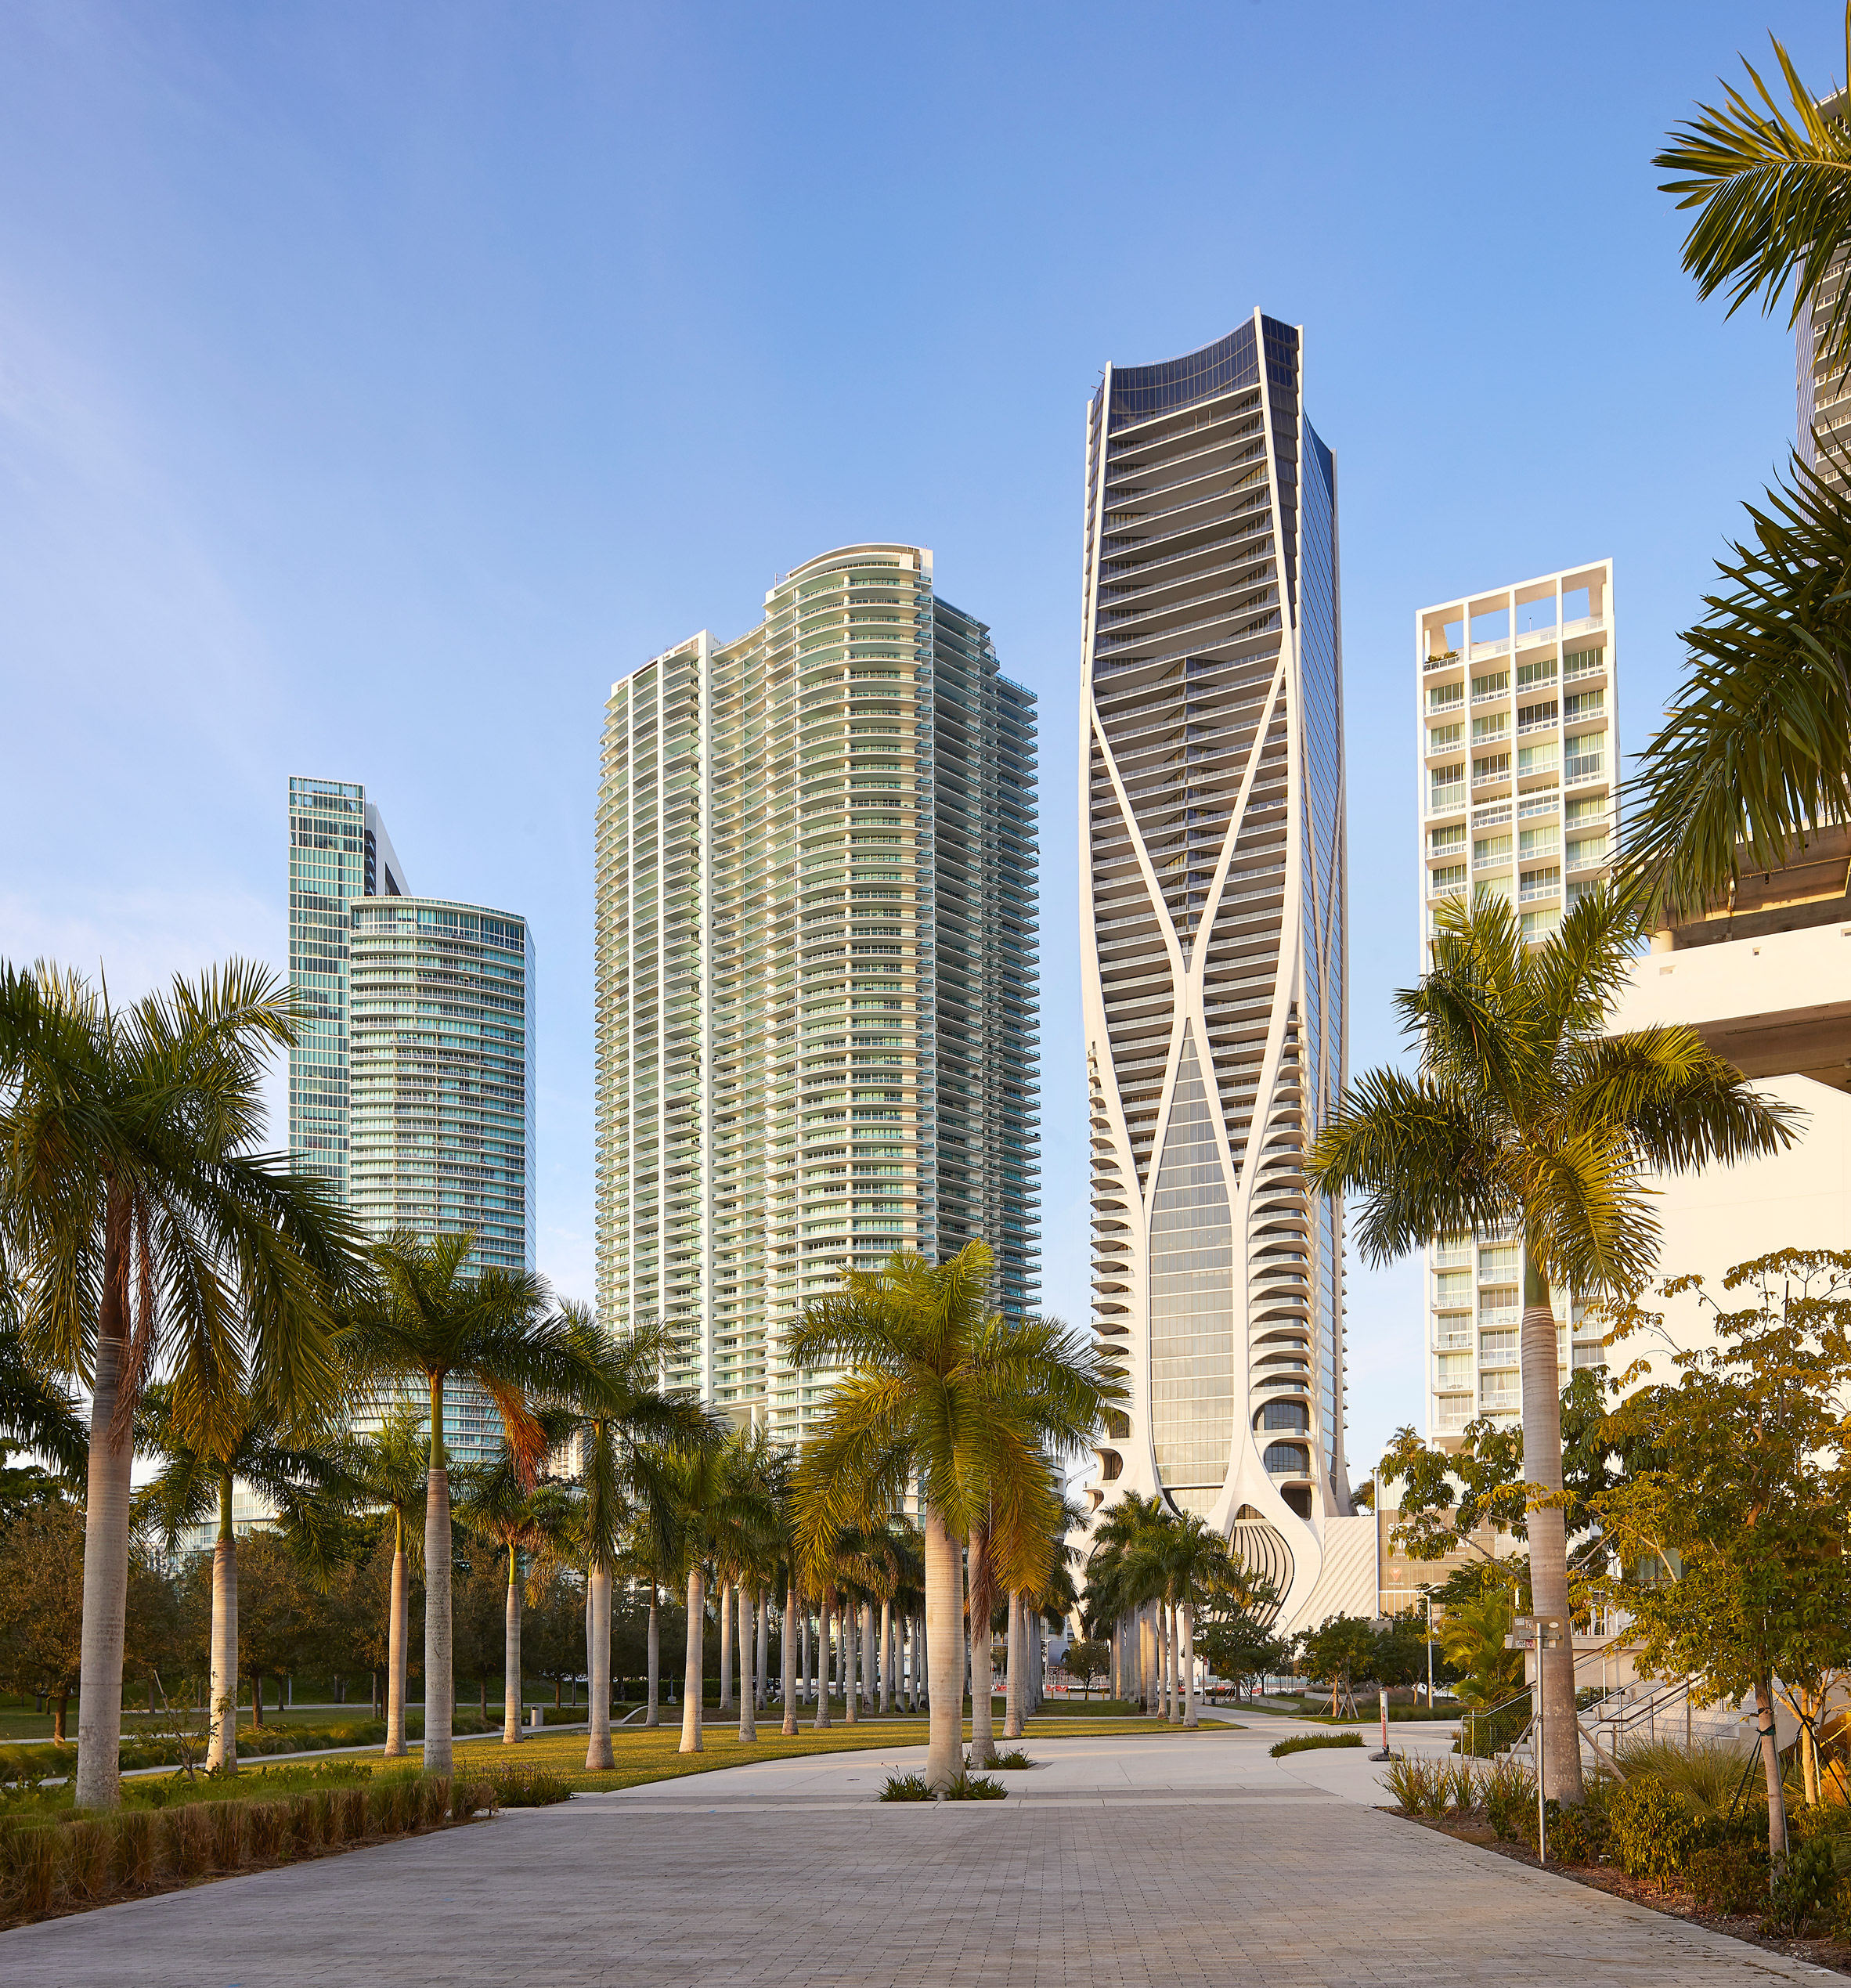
<point x="643" y="1756"/>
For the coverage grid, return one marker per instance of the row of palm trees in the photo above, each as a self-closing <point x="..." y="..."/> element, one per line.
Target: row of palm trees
<point x="223" y="1308"/>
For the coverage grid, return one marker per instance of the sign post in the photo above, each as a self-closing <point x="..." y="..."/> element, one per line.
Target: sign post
<point x="1540" y="1633"/>
<point x="1382" y="1692"/>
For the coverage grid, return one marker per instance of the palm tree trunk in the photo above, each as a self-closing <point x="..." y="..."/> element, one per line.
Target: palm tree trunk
<point x="106" y="1532"/>
<point x="887" y="1656"/>
<point x="763" y="1669"/>
<point x="652" y="1717"/>
<point x="726" y="1645"/>
<point x="749" y="1691"/>
<point x="822" y="1663"/>
<point x="787" y="1656"/>
<point x="691" y="1685"/>
<point x="1173" y="1612"/>
<point x="983" y="1712"/>
<point x="850" y="1631"/>
<point x="398" y="1629"/>
<point x="804" y="1649"/>
<point x="1013" y="1676"/>
<point x="944" y="1611"/>
<point x="1549" y="1539"/>
<point x="598" y="1668"/>
<point x="511" y="1654"/>
<point x="440" y="1684"/>
<point x="1190" y="1716"/>
<point x="222" y="1754"/>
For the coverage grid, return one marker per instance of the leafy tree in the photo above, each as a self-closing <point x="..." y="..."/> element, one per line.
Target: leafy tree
<point x="1240" y="1647"/>
<point x="145" y="1228"/>
<point x="1342" y="1651"/>
<point x="42" y="1605"/>
<point x="1526" y="1112"/>
<point x="1737" y="1538"/>
<point x="477" y="1624"/>
<point x="276" y="1619"/>
<point x="1472" y="1633"/>
<point x="1085" y="1661"/>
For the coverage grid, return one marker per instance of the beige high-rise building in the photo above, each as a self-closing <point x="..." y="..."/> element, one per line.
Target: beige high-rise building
<point x="1516" y="698"/>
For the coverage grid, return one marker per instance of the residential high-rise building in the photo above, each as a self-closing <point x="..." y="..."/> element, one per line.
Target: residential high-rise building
<point x="1214" y="946"/>
<point x="1517" y="723"/>
<point x="412" y="1081"/>
<point x="816" y="970"/>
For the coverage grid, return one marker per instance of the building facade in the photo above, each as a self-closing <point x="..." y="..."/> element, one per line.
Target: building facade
<point x="411" y="1084"/>
<point x="1516" y="698"/>
<point x="816" y="958"/>
<point x="1214" y="944"/>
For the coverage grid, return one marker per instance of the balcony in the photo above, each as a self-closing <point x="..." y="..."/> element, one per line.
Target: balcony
<point x="1579" y="767"/>
<point x="1447" y="659"/>
<point x="1500" y="648"/>
<point x="1490" y="818"/>
<point x="1540" y="884"/>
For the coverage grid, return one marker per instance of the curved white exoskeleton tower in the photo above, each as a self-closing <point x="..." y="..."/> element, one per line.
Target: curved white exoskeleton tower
<point x="1213" y="933"/>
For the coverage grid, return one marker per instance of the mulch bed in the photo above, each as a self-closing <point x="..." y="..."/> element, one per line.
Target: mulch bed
<point x="1834" y="1954"/>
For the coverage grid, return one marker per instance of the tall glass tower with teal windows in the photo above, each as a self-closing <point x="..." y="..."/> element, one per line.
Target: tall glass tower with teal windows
<point x="1213" y="934"/>
<point x="412" y="1081"/>
<point x="817" y="938"/>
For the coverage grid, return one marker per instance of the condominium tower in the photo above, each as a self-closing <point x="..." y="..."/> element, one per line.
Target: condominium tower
<point x="1516" y="730"/>
<point x="411" y="1085"/>
<point x="1213" y="941"/>
<point x="816" y="970"/>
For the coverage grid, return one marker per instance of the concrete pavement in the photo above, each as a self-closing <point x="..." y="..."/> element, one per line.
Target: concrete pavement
<point x="1163" y="1860"/>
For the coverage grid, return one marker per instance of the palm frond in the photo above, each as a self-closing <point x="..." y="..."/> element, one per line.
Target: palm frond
<point x="1772" y="189"/>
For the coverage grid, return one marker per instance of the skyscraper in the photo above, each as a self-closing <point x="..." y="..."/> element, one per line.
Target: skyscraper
<point x="1213" y="934"/>
<point x="1517" y="688"/>
<point x="411" y="1083"/>
<point x="815" y="968"/>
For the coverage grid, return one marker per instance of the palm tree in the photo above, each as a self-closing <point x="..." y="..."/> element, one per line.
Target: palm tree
<point x="1124" y="1580"/>
<point x="940" y="1390"/>
<point x="617" y="1415"/>
<point x="1525" y="1112"/>
<point x="431" y="1322"/>
<point x="1755" y="754"/>
<point x="296" y="1465"/>
<point x="389" y="1468"/>
<point x="36" y="1413"/>
<point x="148" y="1230"/>
<point x="524" y="1520"/>
<point x="697" y="1477"/>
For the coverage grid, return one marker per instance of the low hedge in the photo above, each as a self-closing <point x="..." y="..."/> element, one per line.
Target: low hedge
<point x="71" y="1863"/>
<point x="1304" y="1742"/>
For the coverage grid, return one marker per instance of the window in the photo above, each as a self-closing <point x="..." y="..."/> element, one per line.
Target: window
<point x="1442" y="697"/>
<point x="1499" y="1262"/>
<point x="1285" y="1415"/>
<point x="1585" y="851"/>
<point x="1441" y="840"/>
<point x="1537" y="926"/>
<point x="1287" y="1460"/>
<point x="1491" y="849"/>
<point x="1442" y="738"/>
<point x="1535" y="717"/>
<point x="1586" y="755"/>
<point x="1452" y="1286"/>
<point x="1452" y="877"/>
<point x="1495" y="684"/>
<point x="1582" y="662"/>
<point x="1493" y="766"/>
<point x="1497" y="1348"/>
<point x="1449" y="788"/>
<point x="1539" y="842"/>
<point x="1496" y="726"/>
<point x="1536" y="759"/>
<point x="1541" y="883"/>
<point x="1591" y="808"/>
<point x="1587" y="705"/>
<point x="1455" y="1370"/>
<point x="1535" y="673"/>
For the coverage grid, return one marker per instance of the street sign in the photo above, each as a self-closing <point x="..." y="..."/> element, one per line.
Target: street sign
<point x="1537" y="1632"/>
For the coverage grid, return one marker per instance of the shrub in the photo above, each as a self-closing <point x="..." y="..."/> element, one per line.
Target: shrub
<point x="86" y="1846"/>
<point x="1302" y="1742"/>
<point x="230" y="1827"/>
<point x="1652" y="1833"/>
<point x="1731" y="1878"/>
<point x="1462" y="1787"/>
<point x="1015" y="1761"/>
<point x="471" y="1798"/>
<point x="1578" y="1834"/>
<point x="1419" y="1786"/>
<point x="270" y="1838"/>
<point x="1510" y="1800"/>
<point x="135" y="1847"/>
<point x="31" y="1867"/>
<point x="906" y="1787"/>
<point x="529" y="1787"/>
<point x="1806" y="1892"/>
<point x="967" y="1787"/>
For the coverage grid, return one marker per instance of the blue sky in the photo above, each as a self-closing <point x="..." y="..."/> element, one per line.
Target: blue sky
<point x="377" y="382"/>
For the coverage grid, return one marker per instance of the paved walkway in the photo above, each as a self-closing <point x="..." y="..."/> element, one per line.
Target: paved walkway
<point x="1161" y="1860"/>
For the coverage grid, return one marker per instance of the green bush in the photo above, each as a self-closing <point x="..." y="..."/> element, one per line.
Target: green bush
<point x="1730" y="1878"/>
<point x="1579" y="1833"/>
<point x="1301" y="1742"/>
<point x="1015" y="1761"/>
<point x="529" y="1787"/>
<point x="906" y="1787"/>
<point x="1652" y="1833"/>
<point x="1805" y="1895"/>
<point x="1510" y="1801"/>
<point x="967" y="1787"/>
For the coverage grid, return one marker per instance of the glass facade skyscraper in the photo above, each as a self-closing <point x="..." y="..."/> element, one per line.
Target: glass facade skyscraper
<point x="411" y="1085"/>
<point x="1213" y="930"/>
<point x="817" y="1031"/>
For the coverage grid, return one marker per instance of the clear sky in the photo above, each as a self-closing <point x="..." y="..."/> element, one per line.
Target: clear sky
<point x="377" y="382"/>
